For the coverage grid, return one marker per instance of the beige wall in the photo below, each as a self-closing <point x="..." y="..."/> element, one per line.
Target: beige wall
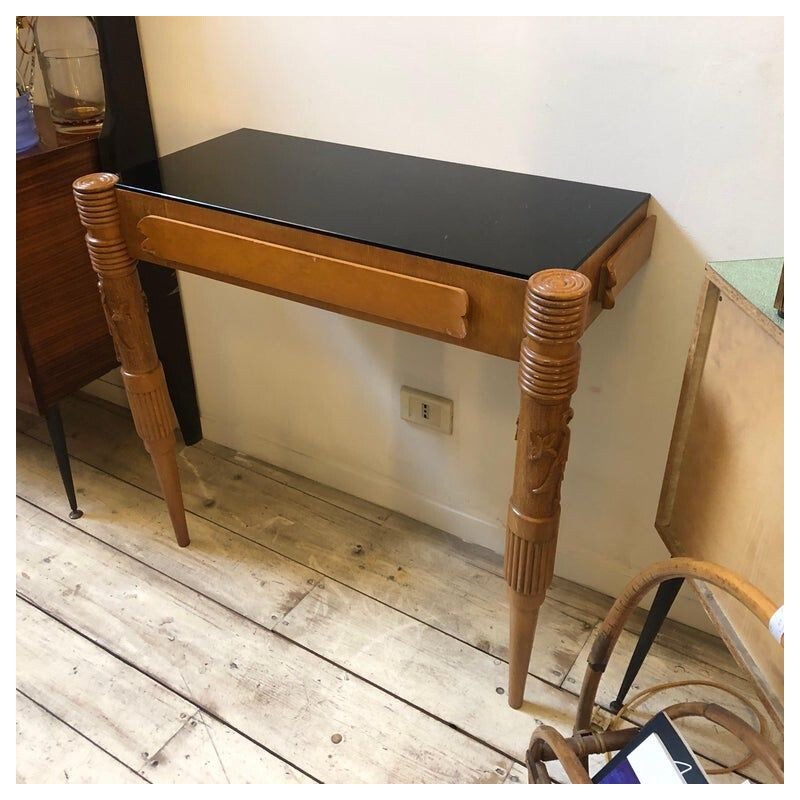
<point x="687" y="109"/>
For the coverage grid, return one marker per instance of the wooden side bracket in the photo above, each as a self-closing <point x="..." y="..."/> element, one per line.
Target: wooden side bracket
<point x="623" y="263"/>
<point x="390" y="295"/>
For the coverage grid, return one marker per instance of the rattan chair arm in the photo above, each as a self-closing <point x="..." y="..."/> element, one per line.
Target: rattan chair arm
<point x="559" y="747"/>
<point x="611" y="627"/>
<point x="757" y="744"/>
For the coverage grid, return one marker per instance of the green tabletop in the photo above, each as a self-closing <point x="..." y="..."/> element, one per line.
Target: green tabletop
<point x="756" y="280"/>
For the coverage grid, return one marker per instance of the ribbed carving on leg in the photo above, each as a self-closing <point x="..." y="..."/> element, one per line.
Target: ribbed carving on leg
<point x="529" y="565"/>
<point x="150" y="404"/>
<point x="126" y="313"/>
<point x="548" y="379"/>
<point x="530" y="550"/>
<point x="554" y="316"/>
<point x="555" y="306"/>
<point x="109" y="257"/>
<point x="95" y="199"/>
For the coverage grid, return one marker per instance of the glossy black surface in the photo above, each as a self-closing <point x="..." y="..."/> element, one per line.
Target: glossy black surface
<point x="501" y="221"/>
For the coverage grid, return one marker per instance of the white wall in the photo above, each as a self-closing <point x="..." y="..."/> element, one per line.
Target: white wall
<point x="687" y="109"/>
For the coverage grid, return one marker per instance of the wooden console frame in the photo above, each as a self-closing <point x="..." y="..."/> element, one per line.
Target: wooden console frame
<point x="537" y="322"/>
<point x="494" y="316"/>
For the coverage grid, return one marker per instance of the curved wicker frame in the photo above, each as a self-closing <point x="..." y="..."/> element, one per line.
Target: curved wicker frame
<point x="547" y="744"/>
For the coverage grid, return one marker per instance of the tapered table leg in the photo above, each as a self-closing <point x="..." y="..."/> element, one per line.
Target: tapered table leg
<point x="555" y="316"/>
<point x="126" y="313"/>
<point x="660" y="607"/>
<point x="55" y="428"/>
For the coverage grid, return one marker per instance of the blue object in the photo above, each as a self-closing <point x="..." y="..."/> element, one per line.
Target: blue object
<point x="27" y="135"/>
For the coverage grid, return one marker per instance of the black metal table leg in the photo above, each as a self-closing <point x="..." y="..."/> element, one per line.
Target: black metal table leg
<point x="662" y="603"/>
<point x="56" y="429"/>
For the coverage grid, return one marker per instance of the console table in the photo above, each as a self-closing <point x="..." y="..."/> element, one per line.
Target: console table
<point x="508" y="264"/>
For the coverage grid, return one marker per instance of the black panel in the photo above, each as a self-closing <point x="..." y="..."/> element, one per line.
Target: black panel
<point x="486" y="218"/>
<point x="127" y="138"/>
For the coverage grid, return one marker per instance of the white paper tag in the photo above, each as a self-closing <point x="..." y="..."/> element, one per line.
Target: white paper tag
<point x="776" y="624"/>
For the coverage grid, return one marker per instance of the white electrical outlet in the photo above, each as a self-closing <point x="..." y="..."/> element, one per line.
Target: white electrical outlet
<point x="426" y="409"/>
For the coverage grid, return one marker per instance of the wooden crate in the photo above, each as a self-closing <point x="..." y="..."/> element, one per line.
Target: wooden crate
<point x="722" y="498"/>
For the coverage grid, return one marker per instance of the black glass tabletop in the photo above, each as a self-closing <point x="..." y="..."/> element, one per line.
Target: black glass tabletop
<point x="490" y="219"/>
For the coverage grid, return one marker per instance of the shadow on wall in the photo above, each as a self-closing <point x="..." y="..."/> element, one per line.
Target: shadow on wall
<point x="631" y="373"/>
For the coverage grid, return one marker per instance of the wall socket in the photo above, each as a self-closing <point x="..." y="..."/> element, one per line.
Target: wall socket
<point x="426" y="409"/>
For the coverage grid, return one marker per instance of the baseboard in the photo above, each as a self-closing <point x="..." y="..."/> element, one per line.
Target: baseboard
<point x="367" y="485"/>
<point x="575" y="563"/>
<point x="106" y="390"/>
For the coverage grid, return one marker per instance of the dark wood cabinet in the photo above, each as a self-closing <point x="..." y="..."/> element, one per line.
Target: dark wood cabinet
<point x="63" y="341"/>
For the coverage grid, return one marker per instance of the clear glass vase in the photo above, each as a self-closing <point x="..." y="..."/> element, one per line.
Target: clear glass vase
<point x="70" y="62"/>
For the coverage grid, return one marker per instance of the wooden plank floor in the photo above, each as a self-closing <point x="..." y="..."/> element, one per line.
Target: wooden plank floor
<point x="304" y="636"/>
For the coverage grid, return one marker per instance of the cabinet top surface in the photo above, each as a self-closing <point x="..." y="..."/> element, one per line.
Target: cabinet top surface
<point x="504" y="222"/>
<point x="756" y="280"/>
<point x="50" y="139"/>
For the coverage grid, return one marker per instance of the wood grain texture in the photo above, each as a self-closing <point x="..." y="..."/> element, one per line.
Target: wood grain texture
<point x="289" y="700"/>
<point x="388" y="295"/>
<point x="396" y="562"/>
<point x="302" y="268"/>
<point x="48" y="751"/>
<point x="386" y="647"/>
<point x="555" y="317"/>
<point x="126" y="313"/>
<point x="217" y="245"/>
<point x="626" y="260"/>
<point x="367" y="634"/>
<point x="358" y="633"/>
<point x="26" y="396"/>
<point x="61" y="330"/>
<point x="495" y="301"/>
<point x="144" y="725"/>
<point x="593" y="267"/>
<point x="722" y="495"/>
<point x="118" y="708"/>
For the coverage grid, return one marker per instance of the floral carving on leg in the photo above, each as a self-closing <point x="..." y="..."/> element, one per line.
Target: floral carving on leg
<point x="555" y="445"/>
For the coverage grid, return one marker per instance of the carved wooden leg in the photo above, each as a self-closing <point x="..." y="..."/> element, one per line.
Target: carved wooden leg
<point x="126" y="314"/>
<point x="555" y="316"/>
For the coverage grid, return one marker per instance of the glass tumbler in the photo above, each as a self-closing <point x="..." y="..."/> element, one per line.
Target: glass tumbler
<point x="74" y="83"/>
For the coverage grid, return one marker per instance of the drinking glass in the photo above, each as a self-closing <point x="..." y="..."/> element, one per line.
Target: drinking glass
<point x="74" y="83"/>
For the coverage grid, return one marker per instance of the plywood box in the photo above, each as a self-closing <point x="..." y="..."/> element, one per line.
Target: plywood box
<point x="722" y="498"/>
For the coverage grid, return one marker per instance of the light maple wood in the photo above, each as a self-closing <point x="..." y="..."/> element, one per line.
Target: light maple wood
<point x="124" y="305"/>
<point x="236" y="249"/>
<point x="495" y="301"/>
<point x="555" y="316"/>
<point x="356" y="287"/>
<point x="626" y="260"/>
<point x="722" y="495"/>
